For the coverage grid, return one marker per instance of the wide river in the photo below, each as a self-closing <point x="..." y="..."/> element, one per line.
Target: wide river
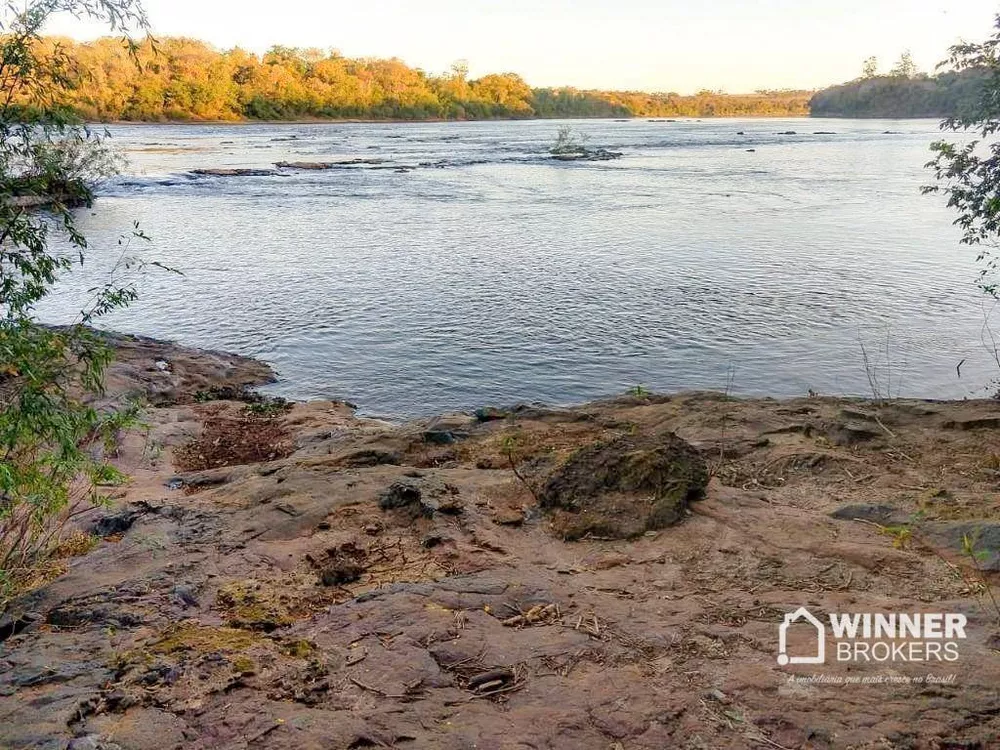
<point x="491" y="274"/>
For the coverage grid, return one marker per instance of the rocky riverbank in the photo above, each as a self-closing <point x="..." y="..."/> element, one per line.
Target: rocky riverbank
<point x="606" y="576"/>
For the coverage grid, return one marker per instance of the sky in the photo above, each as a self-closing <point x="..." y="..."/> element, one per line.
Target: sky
<point x="654" y="45"/>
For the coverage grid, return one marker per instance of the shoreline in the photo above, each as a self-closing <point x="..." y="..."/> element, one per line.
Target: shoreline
<point x="296" y="574"/>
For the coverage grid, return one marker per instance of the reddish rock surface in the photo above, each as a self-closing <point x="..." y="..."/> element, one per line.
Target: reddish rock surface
<point x="269" y="596"/>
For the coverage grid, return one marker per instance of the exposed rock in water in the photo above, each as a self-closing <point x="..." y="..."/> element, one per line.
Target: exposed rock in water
<point x="321" y="165"/>
<point x="583" y="154"/>
<point x="235" y="172"/>
<point x="624" y="487"/>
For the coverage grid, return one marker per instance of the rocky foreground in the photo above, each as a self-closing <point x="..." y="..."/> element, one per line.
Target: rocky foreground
<point x="607" y="576"/>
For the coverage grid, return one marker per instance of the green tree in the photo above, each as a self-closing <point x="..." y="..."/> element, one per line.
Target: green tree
<point x="869" y="68"/>
<point x="968" y="173"/>
<point x="904" y="67"/>
<point x="51" y="439"/>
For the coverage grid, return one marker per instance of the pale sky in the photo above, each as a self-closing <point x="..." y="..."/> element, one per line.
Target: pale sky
<point x="653" y="45"/>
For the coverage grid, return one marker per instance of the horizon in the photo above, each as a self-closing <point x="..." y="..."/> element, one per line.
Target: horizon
<point x="639" y="47"/>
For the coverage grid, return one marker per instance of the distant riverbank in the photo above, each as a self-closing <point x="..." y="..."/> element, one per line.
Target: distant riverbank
<point x="181" y="80"/>
<point x="900" y="97"/>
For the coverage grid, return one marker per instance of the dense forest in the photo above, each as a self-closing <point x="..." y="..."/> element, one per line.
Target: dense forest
<point x="901" y="95"/>
<point x="185" y="79"/>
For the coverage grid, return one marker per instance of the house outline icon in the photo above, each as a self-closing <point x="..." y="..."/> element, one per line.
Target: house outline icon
<point x="801" y="614"/>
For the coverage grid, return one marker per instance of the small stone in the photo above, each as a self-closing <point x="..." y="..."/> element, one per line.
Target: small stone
<point x="341" y="572"/>
<point x="90" y="742"/>
<point x="185" y="595"/>
<point x="116" y="523"/>
<point x="611" y="560"/>
<point x="399" y="495"/>
<point x="490" y="414"/>
<point x="508" y="517"/>
<point x="440" y="437"/>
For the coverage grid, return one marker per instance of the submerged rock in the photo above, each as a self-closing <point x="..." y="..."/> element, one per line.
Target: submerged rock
<point x="624" y="487"/>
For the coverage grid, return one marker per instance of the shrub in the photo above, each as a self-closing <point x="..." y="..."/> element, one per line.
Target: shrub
<point x="54" y="443"/>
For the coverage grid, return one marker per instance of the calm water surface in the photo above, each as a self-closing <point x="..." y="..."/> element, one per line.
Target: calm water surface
<point x="490" y="274"/>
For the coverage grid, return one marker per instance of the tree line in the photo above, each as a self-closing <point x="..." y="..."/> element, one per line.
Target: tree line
<point x="903" y="92"/>
<point x="181" y="79"/>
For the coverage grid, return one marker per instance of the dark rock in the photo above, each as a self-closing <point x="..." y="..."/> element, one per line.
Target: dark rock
<point x="371" y="457"/>
<point x="11" y="625"/>
<point x="185" y="595"/>
<point x="323" y="165"/>
<point x="473" y="585"/>
<point x="400" y="495"/>
<point x="440" y="437"/>
<point x="234" y="172"/>
<point x="341" y="572"/>
<point x="442" y="500"/>
<point x="116" y="523"/>
<point x="491" y="414"/>
<point x="787" y="132"/>
<point x="991" y="422"/>
<point x="119" y="700"/>
<point x="583" y="154"/>
<point x="884" y="515"/>
<point x="64" y="672"/>
<point x="344" y="564"/>
<point x="983" y="538"/>
<point x="624" y="487"/>
<point x="432" y="540"/>
<point x="850" y="433"/>
<point x="426" y="502"/>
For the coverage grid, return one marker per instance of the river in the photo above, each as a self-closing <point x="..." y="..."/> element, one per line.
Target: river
<point x="467" y="268"/>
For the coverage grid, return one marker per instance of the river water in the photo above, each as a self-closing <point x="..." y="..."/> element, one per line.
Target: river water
<point x="490" y="274"/>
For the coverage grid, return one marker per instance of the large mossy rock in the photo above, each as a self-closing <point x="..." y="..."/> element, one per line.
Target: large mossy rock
<point x="624" y="487"/>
